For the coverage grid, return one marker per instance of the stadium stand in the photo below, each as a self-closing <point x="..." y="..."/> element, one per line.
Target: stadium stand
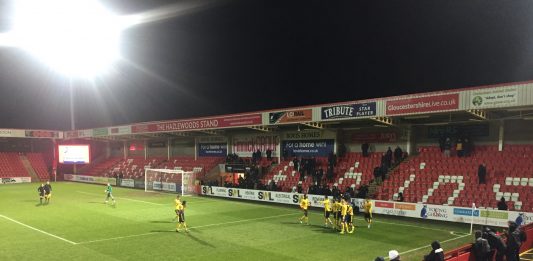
<point x="11" y="165"/>
<point x="134" y="167"/>
<point x="432" y="178"/>
<point x="353" y="170"/>
<point x="39" y="165"/>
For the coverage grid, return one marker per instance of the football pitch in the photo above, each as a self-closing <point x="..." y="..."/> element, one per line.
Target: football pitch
<point x="78" y="225"/>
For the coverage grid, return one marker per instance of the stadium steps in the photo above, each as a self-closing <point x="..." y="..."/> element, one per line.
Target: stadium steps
<point x="27" y="165"/>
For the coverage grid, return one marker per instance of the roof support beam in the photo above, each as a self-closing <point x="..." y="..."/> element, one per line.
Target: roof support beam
<point x="316" y="125"/>
<point x="261" y="128"/>
<point x="384" y="120"/>
<point x="481" y="114"/>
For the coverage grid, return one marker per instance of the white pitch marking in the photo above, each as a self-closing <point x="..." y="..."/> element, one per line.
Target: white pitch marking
<point x="38" y="230"/>
<point x="427" y="246"/>
<point x="130" y="199"/>
<point x="208" y="225"/>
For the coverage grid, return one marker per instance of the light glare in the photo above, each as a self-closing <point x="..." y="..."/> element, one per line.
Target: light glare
<point x="79" y="38"/>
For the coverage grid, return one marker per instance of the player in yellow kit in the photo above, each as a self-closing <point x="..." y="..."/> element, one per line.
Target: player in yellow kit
<point x="344" y="212"/>
<point x="304" y="205"/>
<point x="181" y="217"/>
<point x="337" y="213"/>
<point x="177" y="203"/>
<point x="350" y="228"/>
<point x="327" y="211"/>
<point x="368" y="211"/>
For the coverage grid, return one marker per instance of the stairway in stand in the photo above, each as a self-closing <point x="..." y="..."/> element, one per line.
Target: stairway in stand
<point x="27" y="165"/>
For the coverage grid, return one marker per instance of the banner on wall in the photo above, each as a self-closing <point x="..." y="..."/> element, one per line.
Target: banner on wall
<point x="346" y="111"/>
<point x="374" y="137"/>
<point x="433" y="103"/>
<point x="412" y="210"/>
<point x="309" y="148"/>
<point x="212" y="149"/>
<point x="41" y="134"/>
<point x="308" y="135"/>
<point x="15" y="180"/>
<point x="244" y="146"/>
<point x="453" y="131"/>
<point x="212" y="139"/>
<point x="130" y="183"/>
<point x="90" y="179"/>
<point x="207" y="123"/>
<point x="303" y="115"/>
<point x="120" y="130"/>
<point x="494" y="97"/>
<point x="100" y="132"/>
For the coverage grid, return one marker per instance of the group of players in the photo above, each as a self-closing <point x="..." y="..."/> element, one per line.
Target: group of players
<point x="180" y="214"/>
<point x="45" y="192"/>
<point x="343" y="212"/>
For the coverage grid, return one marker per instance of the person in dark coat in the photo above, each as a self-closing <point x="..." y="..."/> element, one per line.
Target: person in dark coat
<point x="482" y="173"/>
<point x="364" y="148"/>
<point x="496" y="244"/>
<point x="398" y="154"/>
<point x="436" y="254"/>
<point x="269" y="154"/>
<point x="514" y="242"/>
<point x="502" y="205"/>
<point x="481" y="247"/>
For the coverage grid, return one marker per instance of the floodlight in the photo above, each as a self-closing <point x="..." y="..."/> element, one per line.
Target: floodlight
<point x="78" y="38"/>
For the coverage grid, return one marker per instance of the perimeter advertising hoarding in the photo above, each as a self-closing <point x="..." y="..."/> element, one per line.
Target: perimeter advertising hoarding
<point x="347" y="111"/>
<point x="413" y="210"/>
<point x="212" y="149"/>
<point x="201" y="124"/>
<point x="423" y="104"/>
<point x="90" y="179"/>
<point x="309" y="148"/>
<point x="304" y="115"/>
<point x="494" y="97"/>
<point x="15" y="180"/>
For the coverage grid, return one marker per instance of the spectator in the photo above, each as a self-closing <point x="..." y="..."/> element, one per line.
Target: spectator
<point x="269" y="154"/>
<point x="400" y="197"/>
<point x="336" y="192"/>
<point x="296" y="164"/>
<point x="394" y="255"/>
<point x="436" y="254"/>
<point x="514" y="242"/>
<point x="398" y="154"/>
<point x="320" y="175"/>
<point x="442" y="141"/>
<point x="481" y="247"/>
<point x="326" y="191"/>
<point x="329" y="174"/>
<point x="459" y="148"/>
<point x="468" y="146"/>
<point x="502" y="204"/>
<point x="285" y="154"/>
<point x="364" y="148"/>
<point x="258" y="155"/>
<point x="496" y="244"/>
<point x="520" y="219"/>
<point x="447" y="147"/>
<point x="482" y="173"/>
<point x="299" y="187"/>
<point x="341" y="150"/>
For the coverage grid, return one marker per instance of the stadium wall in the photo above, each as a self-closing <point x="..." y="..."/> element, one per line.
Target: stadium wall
<point x="412" y="210"/>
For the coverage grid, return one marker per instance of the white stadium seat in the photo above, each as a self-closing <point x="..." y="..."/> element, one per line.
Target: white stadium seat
<point x="514" y="196"/>
<point x="523" y="181"/>
<point x="496" y="188"/>
<point x="508" y="181"/>
<point x="516" y="181"/>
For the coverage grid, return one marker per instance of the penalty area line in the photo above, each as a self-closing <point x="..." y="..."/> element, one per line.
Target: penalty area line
<point x="193" y="227"/>
<point x="38" y="230"/>
<point x="123" y="198"/>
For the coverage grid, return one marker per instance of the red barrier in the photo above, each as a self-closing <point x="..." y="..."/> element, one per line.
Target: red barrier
<point x="464" y="253"/>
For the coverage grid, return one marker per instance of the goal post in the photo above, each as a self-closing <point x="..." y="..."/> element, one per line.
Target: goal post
<point x="169" y="180"/>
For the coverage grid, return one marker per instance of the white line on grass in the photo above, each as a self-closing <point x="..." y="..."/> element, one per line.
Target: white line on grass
<point x="38" y="230"/>
<point x="193" y="227"/>
<point x="427" y="246"/>
<point x="130" y="199"/>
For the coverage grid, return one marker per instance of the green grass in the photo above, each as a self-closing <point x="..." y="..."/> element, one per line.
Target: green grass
<point x="140" y="227"/>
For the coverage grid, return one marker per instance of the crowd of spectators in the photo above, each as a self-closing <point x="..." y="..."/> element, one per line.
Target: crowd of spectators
<point x="463" y="146"/>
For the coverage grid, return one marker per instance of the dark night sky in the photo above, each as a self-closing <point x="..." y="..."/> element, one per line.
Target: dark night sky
<point x="247" y="55"/>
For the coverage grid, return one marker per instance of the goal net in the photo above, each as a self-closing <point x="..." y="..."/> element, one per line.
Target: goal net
<point x="169" y="180"/>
